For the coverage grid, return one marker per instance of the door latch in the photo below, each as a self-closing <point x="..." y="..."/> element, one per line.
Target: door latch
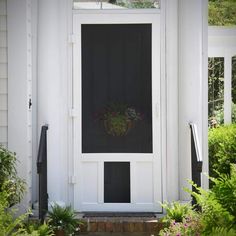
<point x="30" y="103"/>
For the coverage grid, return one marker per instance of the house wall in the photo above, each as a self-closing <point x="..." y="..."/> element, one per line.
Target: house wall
<point x="20" y="89"/>
<point x="183" y="79"/>
<point x="3" y="73"/>
<point x="192" y="86"/>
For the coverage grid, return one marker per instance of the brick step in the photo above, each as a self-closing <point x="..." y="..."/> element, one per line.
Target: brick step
<point x="121" y="225"/>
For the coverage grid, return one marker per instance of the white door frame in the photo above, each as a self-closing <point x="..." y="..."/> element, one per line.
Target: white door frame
<point x="155" y="159"/>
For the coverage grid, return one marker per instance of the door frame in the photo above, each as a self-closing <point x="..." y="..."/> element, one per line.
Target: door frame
<point x="118" y="17"/>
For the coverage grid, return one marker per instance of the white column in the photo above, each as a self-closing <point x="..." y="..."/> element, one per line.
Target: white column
<point x="52" y="91"/>
<point x="171" y="54"/>
<point x="19" y="89"/>
<point x="192" y="96"/>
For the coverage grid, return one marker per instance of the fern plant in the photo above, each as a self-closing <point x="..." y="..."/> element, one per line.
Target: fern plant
<point x="218" y="205"/>
<point x="9" y="225"/>
<point x="222" y="231"/>
<point x="176" y="211"/>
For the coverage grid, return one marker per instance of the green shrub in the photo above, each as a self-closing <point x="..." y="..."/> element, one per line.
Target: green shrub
<point x="222" y="149"/>
<point x="218" y="205"/>
<point x="9" y="224"/>
<point x="176" y="211"/>
<point x="9" y="181"/>
<point x="63" y="218"/>
<point x="190" y="226"/>
<point x="222" y="231"/>
<point x="218" y="210"/>
<point x="37" y="229"/>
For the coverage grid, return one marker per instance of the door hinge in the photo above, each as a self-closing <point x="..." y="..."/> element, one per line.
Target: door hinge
<point x="72" y="179"/>
<point x="73" y="112"/>
<point x="73" y="38"/>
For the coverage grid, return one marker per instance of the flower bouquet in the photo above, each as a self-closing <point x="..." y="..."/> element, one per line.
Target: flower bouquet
<point x="118" y="118"/>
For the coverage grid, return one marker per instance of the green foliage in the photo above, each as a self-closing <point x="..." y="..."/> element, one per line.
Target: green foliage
<point x="63" y="218"/>
<point x="222" y="149"/>
<point x="222" y="12"/>
<point x="9" y="224"/>
<point x="219" y="115"/>
<point x="213" y="213"/>
<point x="224" y="190"/>
<point x="190" y="226"/>
<point x="176" y="211"/>
<point x="222" y="231"/>
<point x="135" y="4"/>
<point x="37" y="229"/>
<point x="218" y="205"/>
<point x="218" y="210"/>
<point x="9" y="181"/>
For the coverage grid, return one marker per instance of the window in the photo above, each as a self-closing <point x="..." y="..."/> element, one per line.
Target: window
<point x="215" y="90"/>
<point x="116" y="4"/>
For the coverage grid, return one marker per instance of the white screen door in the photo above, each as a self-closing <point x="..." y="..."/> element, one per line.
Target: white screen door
<point x="116" y="93"/>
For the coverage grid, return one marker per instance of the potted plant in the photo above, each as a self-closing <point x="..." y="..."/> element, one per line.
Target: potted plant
<point x="62" y="220"/>
<point x="118" y="118"/>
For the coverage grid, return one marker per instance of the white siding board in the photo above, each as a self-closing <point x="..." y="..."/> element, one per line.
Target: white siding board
<point x="3" y="55"/>
<point x="3" y="73"/>
<point x="3" y="70"/>
<point x="3" y="102"/>
<point x="3" y="118"/>
<point x="3" y="39"/>
<point x="3" y="8"/>
<point x="3" y="86"/>
<point x="3" y="23"/>
<point x="3" y="134"/>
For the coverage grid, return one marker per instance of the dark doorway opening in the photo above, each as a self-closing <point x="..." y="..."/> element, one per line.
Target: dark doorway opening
<point x="116" y="182"/>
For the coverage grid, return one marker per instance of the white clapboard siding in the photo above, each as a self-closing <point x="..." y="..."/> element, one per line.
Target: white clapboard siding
<point x="3" y="86"/>
<point x="3" y="73"/>
<point x="3" y="23"/>
<point x="3" y="118"/>
<point x="3" y="102"/>
<point x="3" y="39"/>
<point x="3" y="70"/>
<point x="3" y="7"/>
<point x="3" y="55"/>
<point x="3" y="134"/>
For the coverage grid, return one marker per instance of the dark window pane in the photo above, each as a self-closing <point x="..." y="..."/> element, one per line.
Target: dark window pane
<point x="116" y="89"/>
<point x="117" y="182"/>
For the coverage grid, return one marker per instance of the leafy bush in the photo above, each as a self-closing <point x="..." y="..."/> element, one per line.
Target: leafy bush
<point x="9" y="225"/>
<point x="218" y="210"/>
<point x="189" y="226"/>
<point x="63" y="218"/>
<point x="37" y="229"/>
<point x="222" y="12"/>
<point x="180" y="219"/>
<point x="9" y="181"/>
<point x="222" y="149"/>
<point x="176" y="211"/>
<point x="218" y="205"/>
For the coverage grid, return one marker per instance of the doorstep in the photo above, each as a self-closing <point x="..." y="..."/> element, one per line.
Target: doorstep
<point x="140" y="224"/>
